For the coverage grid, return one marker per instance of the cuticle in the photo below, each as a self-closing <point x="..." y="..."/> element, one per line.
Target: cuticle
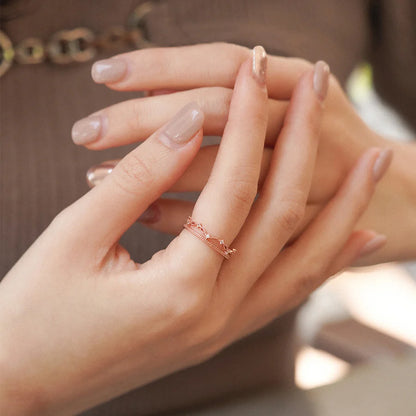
<point x="127" y="72"/>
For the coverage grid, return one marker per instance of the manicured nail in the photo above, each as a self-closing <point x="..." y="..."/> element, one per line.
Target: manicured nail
<point x="151" y="215"/>
<point x="108" y="70"/>
<point x="96" y="174"/>
<point x="382" y="163"/>
<point x="259" y="66"/>
<point x="321" y="79"/>
<point x="183" y="126"/>
<point x="86" y="130"/>
<point x="374" y="244"/>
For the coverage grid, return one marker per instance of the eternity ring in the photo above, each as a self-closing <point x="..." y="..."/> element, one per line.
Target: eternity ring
<point x="198" y="230"/>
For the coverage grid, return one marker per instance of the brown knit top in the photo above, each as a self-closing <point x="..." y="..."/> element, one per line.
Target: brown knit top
<point x="42" y="171"/>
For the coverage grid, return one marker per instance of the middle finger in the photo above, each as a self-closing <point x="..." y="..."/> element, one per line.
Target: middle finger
<point x="134" y="120"/>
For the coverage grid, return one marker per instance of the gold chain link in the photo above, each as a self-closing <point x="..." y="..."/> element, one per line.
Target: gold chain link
<point x="76" y="45"/>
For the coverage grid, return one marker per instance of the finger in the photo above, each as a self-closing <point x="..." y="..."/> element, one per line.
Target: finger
<point x="153" y="93"/>
<point x="134" y="120"/>
<point x="282" y="202"/>
<point x="360" y="243"/>
<point x="337" y="220"/>
<point x="107" y="211"/>
<point x="167" y="215"/>
<point x="165" y="68"/>
<point x="197" y="174"/>
<point x="195" y="177"/>
<point x="225" y="201"/>
<point x="302" y="267"/>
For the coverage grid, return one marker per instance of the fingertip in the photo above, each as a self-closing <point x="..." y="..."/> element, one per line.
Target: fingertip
<point x="374" y="162"/>
<point x="254" y="68"/>
<point x="321" y="73"/>
<point x="87" y="130"/>
<point x="304" y="113"/>
<point x="382" y="163"/>
<point x="108" y="71"/>
<point x="312" y="87"/>
<point x="373" y="243"/>
<point x="184" y="127"/>
<point x="360" y="244"/>
<point x="259" y="65"/>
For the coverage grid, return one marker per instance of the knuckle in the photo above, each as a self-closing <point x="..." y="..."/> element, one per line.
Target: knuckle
<point x="210" y="349"/>
<point x="64" y="220"/>
<point x="232" y="55"/>
<point x="188" y="309"/>
<point x="313" y="271"/>
<point x="134" y="172"/>
<point x="311" y="122"/>
<point x="161" y="65"/>
<point x="137" y="112"/>
<point x="303" y="64"/>
<point x="306" y="283"/>
<point x="242" y="190"/>
<point x="211" y="337"/>
<point x="215" y="328"/>
<point x="219" y="103"/>
<point x="258" y="121"/>
<point x="290" y="215"/>
<point x="233" y="50"/>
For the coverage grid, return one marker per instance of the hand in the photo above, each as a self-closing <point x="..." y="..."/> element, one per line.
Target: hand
<point x="206" y="73"/>
<point x="85" y="323"/>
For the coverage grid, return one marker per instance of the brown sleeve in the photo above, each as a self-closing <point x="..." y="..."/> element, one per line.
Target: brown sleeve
<point x="393" y="54"/>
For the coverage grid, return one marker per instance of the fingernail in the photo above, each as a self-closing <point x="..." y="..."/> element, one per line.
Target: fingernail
<point x="96" y="174"/>
<point x="374" y="244"/>
<point x="183" y="126"/>
<point x="108" y="70"/>
<point x="151" y="215"/>
<point x="321" y="79"/>
<point x="86" y="130"/>
<point x="259" y="66"/>
<point x="382" y="163"/>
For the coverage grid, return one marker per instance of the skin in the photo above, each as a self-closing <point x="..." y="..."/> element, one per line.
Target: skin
<point x="344" y="136"/>
<point x="81" y="332"/>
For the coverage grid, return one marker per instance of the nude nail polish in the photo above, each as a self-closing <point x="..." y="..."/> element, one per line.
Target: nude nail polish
<point x="321" y="79"/>
<point x="96" y="174"/>
<point x="382" y="163"/>
<point x="183" y="126"/>
<point x="373" y="245"/>
<point x="151" y="215"/>
<point x="86" y="130"/>
<point x="108" y="70"/>
<point x="259" y="64"/>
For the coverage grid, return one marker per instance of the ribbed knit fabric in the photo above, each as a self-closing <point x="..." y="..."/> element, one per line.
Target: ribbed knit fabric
<point x="42" y="171"/>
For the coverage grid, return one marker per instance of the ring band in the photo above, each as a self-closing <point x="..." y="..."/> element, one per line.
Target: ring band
<point x="198" y="230"/>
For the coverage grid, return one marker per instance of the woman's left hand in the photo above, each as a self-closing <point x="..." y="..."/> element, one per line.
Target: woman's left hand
<point x="206" y="73"/>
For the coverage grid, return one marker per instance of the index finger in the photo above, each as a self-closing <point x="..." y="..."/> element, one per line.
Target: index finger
<point x="106" y="212"/>
<point x="165" y="68"/>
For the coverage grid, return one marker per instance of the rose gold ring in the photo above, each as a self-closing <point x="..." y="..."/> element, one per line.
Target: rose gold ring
<point x="198" y="230"/>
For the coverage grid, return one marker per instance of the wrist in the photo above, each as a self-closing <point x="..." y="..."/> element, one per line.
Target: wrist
<point x="14" y="400"/>
<point x="19" y="394"/>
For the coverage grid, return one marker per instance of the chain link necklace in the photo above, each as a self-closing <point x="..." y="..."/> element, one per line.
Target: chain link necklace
<point x="76" y="45"/>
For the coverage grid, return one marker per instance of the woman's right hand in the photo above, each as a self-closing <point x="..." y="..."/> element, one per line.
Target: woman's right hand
<point x="83" y="323"/>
